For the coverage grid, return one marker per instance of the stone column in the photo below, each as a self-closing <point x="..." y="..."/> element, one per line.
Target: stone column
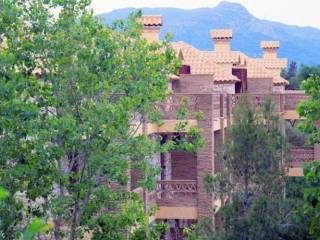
<point x="205" y="158"/>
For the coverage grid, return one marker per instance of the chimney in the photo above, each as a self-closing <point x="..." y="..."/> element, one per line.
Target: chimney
<point x="151" y="27"/>
<point x="270" y="49"/>
<point x="222" y="39"/>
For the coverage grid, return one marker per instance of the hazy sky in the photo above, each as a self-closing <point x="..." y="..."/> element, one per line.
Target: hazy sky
<point x="295" y="12"/>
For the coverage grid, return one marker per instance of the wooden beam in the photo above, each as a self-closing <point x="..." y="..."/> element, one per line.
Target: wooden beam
<point x="177" y="213"/>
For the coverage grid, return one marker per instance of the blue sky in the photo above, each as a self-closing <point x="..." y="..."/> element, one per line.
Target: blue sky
<point x="294" y="12"/>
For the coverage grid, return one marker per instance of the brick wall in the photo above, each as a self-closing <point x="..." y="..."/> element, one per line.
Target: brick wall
<point x="183" y="166"/>
<point x="218" y="144"/>
<point x="205" y="156"/>
<point x="193" y="84"/>
<point x="259" y="86"/>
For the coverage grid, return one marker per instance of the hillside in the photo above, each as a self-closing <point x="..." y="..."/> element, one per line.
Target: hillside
<point x="192" y="26"/>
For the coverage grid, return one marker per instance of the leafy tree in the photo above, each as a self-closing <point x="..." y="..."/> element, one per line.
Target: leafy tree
<point x="310" y="110"/>
<point x="251" y="183"/>
<point x="71" y="90"/>
<point x="295" y="77"/>
<point x="312" y="197"/>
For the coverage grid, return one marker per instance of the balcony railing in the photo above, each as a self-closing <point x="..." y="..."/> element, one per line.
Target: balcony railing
<point x="300" y="155"/>
<point x="177" y="193"/>
<point x="286" y="101"/>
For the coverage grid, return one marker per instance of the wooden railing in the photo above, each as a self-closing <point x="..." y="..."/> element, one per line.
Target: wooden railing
<point x="300" y="155"/>
<point x="177" y="193"/>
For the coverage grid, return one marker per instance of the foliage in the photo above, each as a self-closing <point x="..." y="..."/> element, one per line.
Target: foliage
<point x="252" y="182"/>
<point x="295" y="137"/>
<point x="312" y="197"/>
<point x="309" y="109"/>
<point x="71" y="91"/>
<point x="295" y="77"/>
<point x="35" y="227"/>
<point x="291" y="76"/>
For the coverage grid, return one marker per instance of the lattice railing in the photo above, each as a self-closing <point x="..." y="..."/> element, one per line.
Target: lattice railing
<point x="300" y="155"/>
<point x="170" y="106"/>
<point x="177" y="192"/>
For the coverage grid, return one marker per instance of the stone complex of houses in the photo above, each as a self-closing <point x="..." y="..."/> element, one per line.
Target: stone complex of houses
<point x="213" y="81"/>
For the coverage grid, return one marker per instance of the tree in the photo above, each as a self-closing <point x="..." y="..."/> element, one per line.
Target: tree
<point x="251" y="183"/>
<point x="312" y="197"/>
<point x="310" y="110"/>
<point x="295" y="77"/>
<point x="70" y="90"/>
<point x="290" y="75"/>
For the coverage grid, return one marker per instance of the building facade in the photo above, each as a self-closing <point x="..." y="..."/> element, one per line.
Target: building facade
<point x="213" y="81"/>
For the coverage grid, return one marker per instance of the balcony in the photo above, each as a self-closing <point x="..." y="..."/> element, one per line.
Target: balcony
<point x="177" y="193"/>
<point x="177" y="199"/>
<point x="298" y="157"/>
<point x="301" y="155"/>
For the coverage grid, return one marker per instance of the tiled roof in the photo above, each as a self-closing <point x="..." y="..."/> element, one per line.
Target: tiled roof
<point x="275" y="63"/>
<point x="202" y="62"/>
<point x="221" y="76"/>
<point x="277" y="80"/>
<point x="256" y="69"/>
<point x="173" y="77"/>
<point x="207" y="62"/>
<point x="270" y="44"/>
<point x="221" y="33"/>
<point x="189" y="52"/>
<point x="151" y="20"/>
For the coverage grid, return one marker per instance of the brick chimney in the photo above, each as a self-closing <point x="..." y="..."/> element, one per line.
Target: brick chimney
<point x="270" y="49"/>
<point x="222" y="39"/>
<point x="151" y="27"/>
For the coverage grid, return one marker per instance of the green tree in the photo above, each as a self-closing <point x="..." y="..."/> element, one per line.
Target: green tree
<point x="310" y="110"/>
<point x="251" y="183"/>
<point x="312" y="197"/>
<point x="70" y="90"/>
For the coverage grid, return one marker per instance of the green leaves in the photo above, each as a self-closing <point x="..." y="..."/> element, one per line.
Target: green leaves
<point x="36" y="226"/>
<point x="312" y="197"/>
<point x="3" y="194"/>
<point x="71" y="91"/>
<point x="309" y="109"/>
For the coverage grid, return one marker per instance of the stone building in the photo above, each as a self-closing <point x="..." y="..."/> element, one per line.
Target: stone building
<point x="213" y="81"/>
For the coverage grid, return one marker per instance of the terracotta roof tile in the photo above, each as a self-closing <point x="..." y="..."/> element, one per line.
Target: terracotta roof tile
<point x="151" y="20"/>
<point x="270" y="44"/>
<point x="280" y="63"/>
<point x="255" y="69"/>
<point x="277" y="80"/>
<point x="173" y="77"/>
<point x="202" y="62"/>
<point x="221" y="33"/>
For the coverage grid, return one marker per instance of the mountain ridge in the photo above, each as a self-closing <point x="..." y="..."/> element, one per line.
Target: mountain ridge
<point x="193" y="25"/>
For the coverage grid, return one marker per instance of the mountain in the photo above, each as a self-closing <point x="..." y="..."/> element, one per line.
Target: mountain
<point x="300" y="44"/>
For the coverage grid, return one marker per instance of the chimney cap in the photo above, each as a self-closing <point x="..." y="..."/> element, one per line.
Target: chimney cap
<point x="221" y="34"/>
<point x="270" y="44"/>
<point x="151" y="20"/>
